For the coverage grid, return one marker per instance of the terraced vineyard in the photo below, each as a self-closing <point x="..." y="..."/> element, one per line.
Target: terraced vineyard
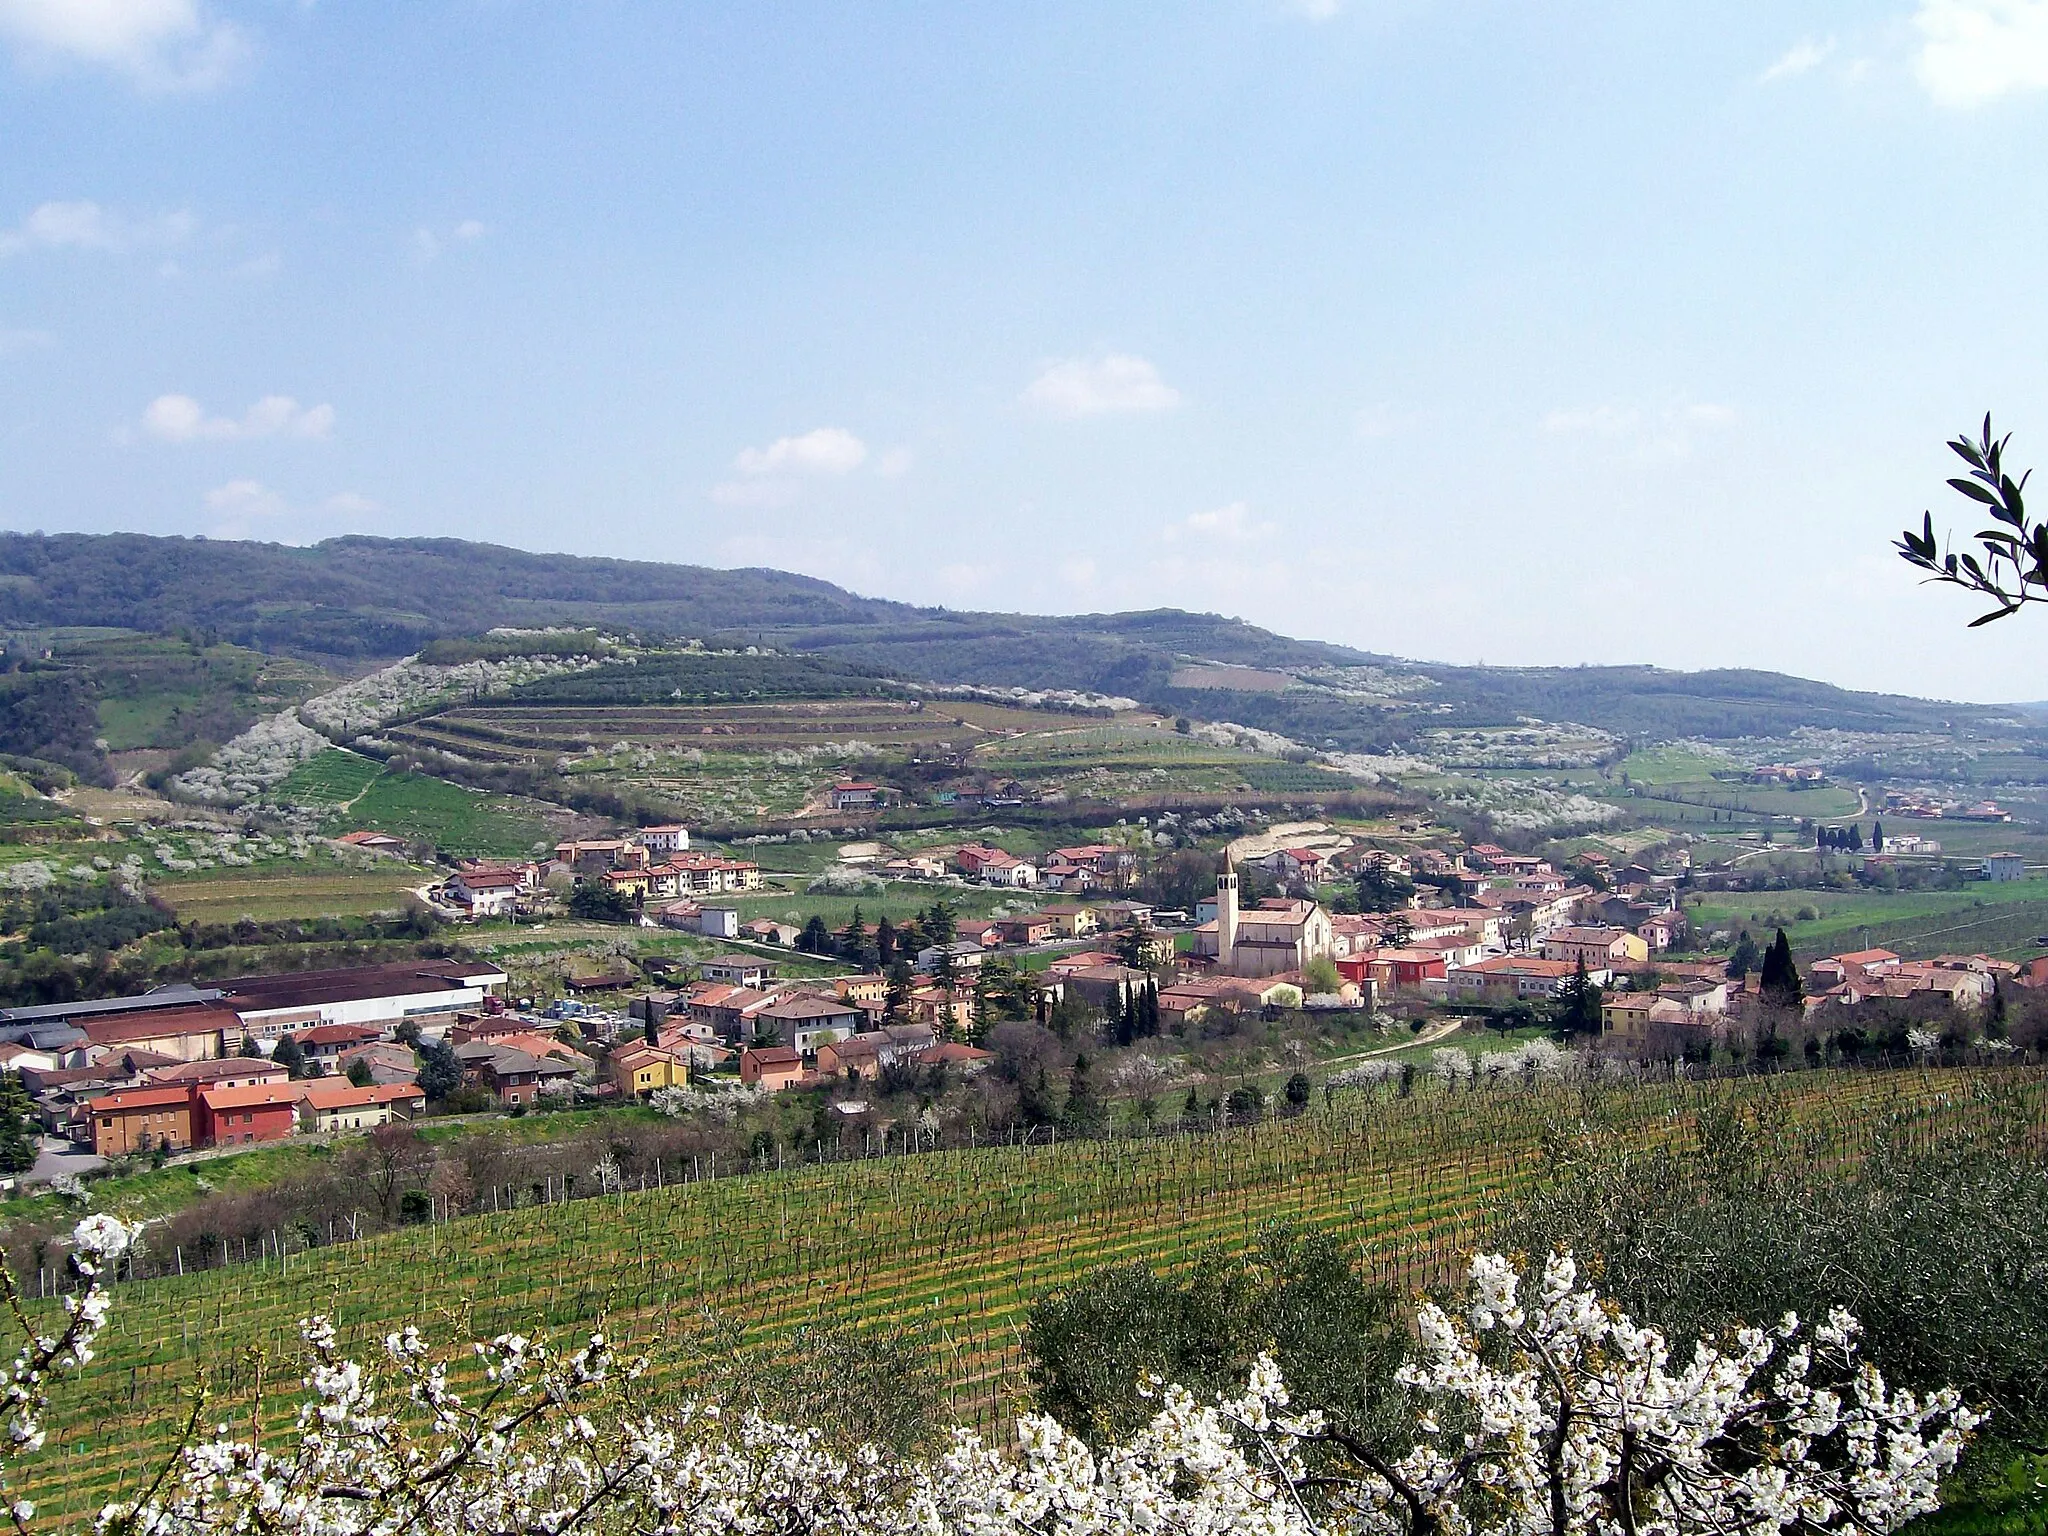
<point x="963" y="1240"/>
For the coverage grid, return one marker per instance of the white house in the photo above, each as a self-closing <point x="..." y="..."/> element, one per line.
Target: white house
<point x="671" y="839"/>
<point x="2005" y="866"/>
<point x="487" y="893"/>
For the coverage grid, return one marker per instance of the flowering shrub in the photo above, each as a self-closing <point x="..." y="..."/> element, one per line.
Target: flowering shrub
<point x="243" y="770"/>
<point x="368" y="702"/>
<point x="1553" y="1415"/>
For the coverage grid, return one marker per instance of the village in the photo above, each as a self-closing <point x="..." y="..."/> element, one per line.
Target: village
<point x="1456" y="937"/>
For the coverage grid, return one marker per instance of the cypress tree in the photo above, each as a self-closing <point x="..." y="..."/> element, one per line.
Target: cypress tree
<point x="1877" y="837"/>
<point x="17" y="1138"/>
<point x="1779" y="982"/>
<point x="1084" y="1114"/>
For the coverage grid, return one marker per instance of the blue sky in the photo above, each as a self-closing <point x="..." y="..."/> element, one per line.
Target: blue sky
<point x="1572" y="333"/>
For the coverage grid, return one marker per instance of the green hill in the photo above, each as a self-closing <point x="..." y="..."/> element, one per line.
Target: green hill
<point x="361" y="597"/>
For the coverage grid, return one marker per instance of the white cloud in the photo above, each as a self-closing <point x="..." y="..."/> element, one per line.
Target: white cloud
<point x="1231" y="524"/>
<point x="1668" y="433"/>
<point x="1112" y="384"/>
<point x="245" y="508"/>
<point x="1974" y="51"/>
<point x="161" y="45"/>
<point x="86" y="226"/>
<point x="820" y="451"/>
<point x="181" y="419"/>
<point x="1381" y="421"/>
<point x="1607" y="420"/>
<point x="1802" y="56"/>
<point x="428" y="244"/>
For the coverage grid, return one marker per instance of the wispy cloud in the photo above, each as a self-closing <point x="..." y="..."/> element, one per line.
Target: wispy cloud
<point x="1383" y="421"/>
<point x="821" y="451"/>
<point x="428" y="243"/>
<point x="1113" y="384"/>
<point x="1230" y="524"/>
<point x="181" y="419"/>
<point x="1803" y="56"/>
<point x="160" y="45"/>
<point x="1669" y="432"/>
<point x="248" y="508"/>
<point x="86" y="226"/>
<point x="23" y="340"/>
<point x="1975" y="51"/>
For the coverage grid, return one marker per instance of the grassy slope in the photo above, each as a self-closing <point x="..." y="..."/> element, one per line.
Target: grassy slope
<point x="964" y="1241"/>
<point x="1994" y="919"/>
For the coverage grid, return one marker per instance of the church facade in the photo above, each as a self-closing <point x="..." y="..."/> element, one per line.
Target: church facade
<point x="1267" y="940"/>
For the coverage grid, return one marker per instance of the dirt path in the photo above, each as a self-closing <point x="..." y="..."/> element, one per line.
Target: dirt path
<point x="1442" y="1029"/>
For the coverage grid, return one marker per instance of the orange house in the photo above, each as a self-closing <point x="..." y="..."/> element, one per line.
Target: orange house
<point x="774" y="1067"/>
<point x="142" y="1120"/>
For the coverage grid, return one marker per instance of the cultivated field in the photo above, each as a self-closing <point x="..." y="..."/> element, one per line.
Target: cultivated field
<point x="287" y="891"/>
<point x="1993" y="919"/>
<point x="960" y="1241"/>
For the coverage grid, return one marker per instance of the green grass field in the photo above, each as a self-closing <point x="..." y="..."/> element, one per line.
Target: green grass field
<point x="455" y="820"/>
<point x="334" y="778"/>
<point x="960" y="1241"/>
<point x="1996" y="919"/>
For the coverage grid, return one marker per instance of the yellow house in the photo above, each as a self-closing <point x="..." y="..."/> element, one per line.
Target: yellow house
<point x="640" y="1069"/>
<point x="1070" y="920"/>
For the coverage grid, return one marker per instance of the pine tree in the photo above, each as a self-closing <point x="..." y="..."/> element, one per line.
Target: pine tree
<point x="1779" y="982"/>
<point x="854" y="940"/>
<point x="816" y="938"/>
<point x="885" y="943"/>
<point x="1746" y="954"/>
<point x="359" y="1073"/>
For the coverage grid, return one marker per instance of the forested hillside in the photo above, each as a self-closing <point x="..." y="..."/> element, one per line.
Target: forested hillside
<point x="358" y="598"/>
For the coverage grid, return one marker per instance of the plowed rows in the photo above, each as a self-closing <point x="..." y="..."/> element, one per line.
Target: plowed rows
<point x="963" y="1240"/>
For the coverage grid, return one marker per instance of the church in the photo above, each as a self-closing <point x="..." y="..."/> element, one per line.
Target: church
<point x="1267" y="940"/>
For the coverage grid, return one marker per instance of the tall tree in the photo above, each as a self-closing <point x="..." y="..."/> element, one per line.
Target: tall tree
<point x="816" y="939"/>
<point x="885" y="942"/>
<point x="18" y="1139"/>
<point x="1580" y="1013"/>
<point x="1084" y="1114"/>
<point x="1877" y="837"/>
<point x="1779" y="982"/>
<point x="1746" y="955"/>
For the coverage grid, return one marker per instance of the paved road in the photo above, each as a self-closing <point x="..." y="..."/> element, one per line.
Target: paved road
<point x="55" y="1157"/>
